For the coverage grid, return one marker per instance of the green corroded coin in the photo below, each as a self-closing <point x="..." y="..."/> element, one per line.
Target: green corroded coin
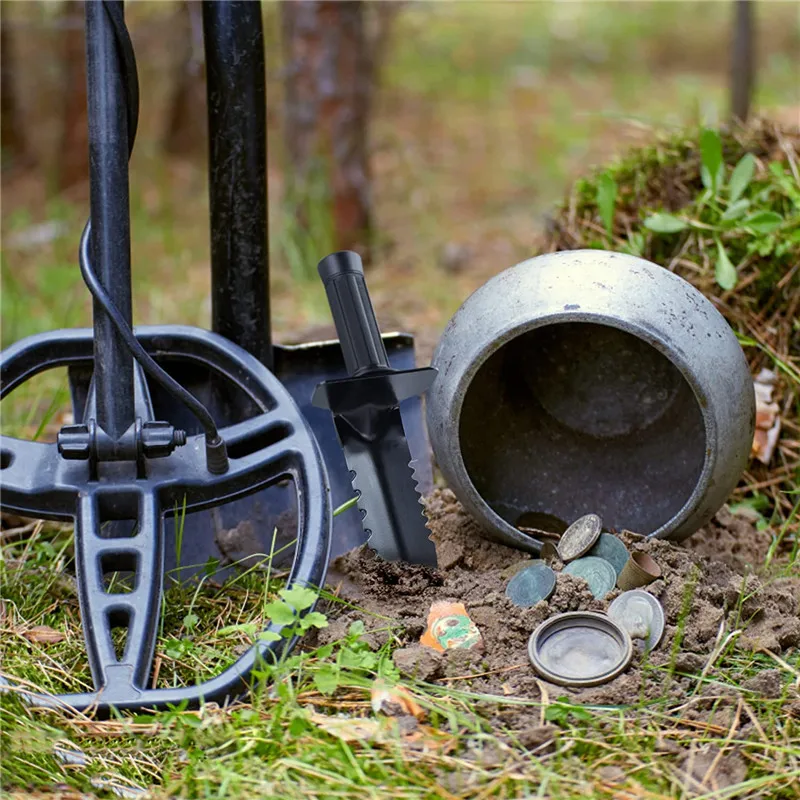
<point x="579" y="538"/>
<point x="597" y="572"/>
<point x="611" y="549"/>
<point x="530" y="585"/>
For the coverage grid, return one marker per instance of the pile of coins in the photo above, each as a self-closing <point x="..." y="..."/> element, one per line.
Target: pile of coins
<point x="583" y="648"/>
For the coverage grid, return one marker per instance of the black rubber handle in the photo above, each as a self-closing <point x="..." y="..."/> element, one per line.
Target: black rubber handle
<point x="362" y="346"/>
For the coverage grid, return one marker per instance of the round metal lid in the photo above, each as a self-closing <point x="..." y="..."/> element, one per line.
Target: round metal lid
<point x="579" y="648"/>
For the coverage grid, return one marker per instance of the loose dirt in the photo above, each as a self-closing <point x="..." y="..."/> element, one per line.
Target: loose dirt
<point x="699" y="596"/>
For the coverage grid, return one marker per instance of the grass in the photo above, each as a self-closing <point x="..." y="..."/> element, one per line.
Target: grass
<point x="487" y="113"/>
<point x="280" y="742"/>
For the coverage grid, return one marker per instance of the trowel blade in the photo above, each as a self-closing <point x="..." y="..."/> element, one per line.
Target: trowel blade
<point x="379" y="460"/>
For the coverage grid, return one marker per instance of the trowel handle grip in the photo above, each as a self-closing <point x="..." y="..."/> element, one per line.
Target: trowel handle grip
<point x="359" y="335"/>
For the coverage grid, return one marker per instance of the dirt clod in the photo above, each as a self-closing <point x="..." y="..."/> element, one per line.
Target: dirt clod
<point x="611" y="774"/>
<point x="732" y="539"/>
<point x="708" y="769"/>
<point x="540" y="738"/>
<point x="416" y="661"/>
<point x="767" y="684"/>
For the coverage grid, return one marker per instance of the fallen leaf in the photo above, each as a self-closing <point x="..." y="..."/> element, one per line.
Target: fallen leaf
<point x="394" y="701"/>
<point x="42" y="634"/>
<point x="355" y="729"/>
<point x="128" y="791"/>
<point x="70" y="754"/>
<point x="420" y="739"/>
<point x="768" y="421"/>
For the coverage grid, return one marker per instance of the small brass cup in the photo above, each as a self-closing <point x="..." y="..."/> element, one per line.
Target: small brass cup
<point x="639" y="570"/>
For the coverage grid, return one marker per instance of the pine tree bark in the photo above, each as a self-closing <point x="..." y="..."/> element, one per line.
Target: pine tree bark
<point x="742" y="59"/>
<point x="186" y="130"/>
<point x="327" y="99"/>
<point x="73" y="161"/>
<point x="13" y="146"/>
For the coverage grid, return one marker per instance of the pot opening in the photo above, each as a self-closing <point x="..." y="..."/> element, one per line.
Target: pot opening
<point x="579" y="417"/>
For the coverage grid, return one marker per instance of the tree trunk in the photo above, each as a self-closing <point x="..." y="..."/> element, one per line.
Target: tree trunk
<point x="73" y="161"/>
<point x="13" y="147"/>
<point x="742" y="60"/>
<point x="186" y="129"/>
<point x="328" y="90"/>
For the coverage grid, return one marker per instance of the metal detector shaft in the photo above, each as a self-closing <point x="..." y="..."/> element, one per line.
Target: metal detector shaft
<point x="111" y="234"/>
<point x="237" y="168"/>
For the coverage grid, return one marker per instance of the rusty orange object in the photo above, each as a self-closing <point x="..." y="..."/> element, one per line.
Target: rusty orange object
<point x="450" y="627"/>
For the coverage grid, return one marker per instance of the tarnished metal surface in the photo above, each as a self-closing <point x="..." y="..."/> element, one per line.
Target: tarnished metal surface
<point x="588" y="381"/>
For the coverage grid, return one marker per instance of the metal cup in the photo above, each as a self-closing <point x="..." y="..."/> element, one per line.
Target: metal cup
<point x="639" y="570"/>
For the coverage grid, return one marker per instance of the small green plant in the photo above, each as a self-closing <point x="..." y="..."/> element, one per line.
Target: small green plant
<point x="606" y="201"/>
<point x="291" y="611"/>
<point x="744" y="217"/>
<point x="354" y="663"/>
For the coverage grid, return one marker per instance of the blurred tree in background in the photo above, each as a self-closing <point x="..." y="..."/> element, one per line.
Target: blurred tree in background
<point x="477" y="118"/>
<point x="15" y="151"/>
<point x="186" y="130"/>
<point x="742" y="59"/>
<point x="73" y="163"/>
<point x="328" y="88"/>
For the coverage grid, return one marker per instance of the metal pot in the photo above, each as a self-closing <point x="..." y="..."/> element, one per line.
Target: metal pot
<point x="589" y="381"/>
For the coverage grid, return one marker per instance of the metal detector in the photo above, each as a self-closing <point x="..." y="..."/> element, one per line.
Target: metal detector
<point x="180" y="434"/>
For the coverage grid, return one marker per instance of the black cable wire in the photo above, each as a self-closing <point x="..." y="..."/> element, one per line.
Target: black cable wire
<point x="132" y="343"/>
<point x="130" y="73"/>
<point x="130" y="80"/>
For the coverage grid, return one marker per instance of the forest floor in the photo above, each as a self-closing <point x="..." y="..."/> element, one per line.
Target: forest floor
<point x="484" y="122"/>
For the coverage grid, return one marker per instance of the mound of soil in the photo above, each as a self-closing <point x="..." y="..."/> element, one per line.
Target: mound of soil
<point x="698" y="595"/>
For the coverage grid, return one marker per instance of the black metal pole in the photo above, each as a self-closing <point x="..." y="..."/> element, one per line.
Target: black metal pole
<point x="110" y="214"/>
<point x="237" y="163"/>
<point x="742" y="60"/>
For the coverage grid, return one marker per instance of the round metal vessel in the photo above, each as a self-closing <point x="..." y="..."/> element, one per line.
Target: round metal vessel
<point x="590" y="382"/>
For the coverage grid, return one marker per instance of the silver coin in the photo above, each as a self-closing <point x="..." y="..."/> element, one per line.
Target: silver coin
<point x="611" y="549"/>
<point x="579" y="538"/>
<point x="531" y="584"/>
<point x="598" y="573"/>
<point x="640" y="614"/>
<point x="579" y="648"/>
